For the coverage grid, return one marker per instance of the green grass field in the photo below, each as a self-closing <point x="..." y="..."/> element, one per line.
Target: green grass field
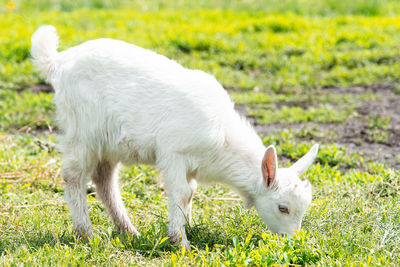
<point x="303" y="71"/>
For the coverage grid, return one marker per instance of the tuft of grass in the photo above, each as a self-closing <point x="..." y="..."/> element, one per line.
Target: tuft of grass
<point x="377" y="128"/>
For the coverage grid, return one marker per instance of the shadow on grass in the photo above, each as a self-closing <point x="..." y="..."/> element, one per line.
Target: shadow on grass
<point x="36" y="240"/>
<point x="150" y="244"/>
<point x="202" y="236"/>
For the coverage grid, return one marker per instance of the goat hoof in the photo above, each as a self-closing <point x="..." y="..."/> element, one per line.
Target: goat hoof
<point x="186" y="245"/>
<point x="136" y="233"/>
<point x="130" y="229"/>
<point x="176" y="239"/>
<point x="84" y="235"/>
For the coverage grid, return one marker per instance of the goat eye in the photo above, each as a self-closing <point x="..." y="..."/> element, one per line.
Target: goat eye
<point x="283" y="209"/>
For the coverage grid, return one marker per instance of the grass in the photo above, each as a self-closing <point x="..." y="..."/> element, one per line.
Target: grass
<point x="378" y="128"/>
<point x="355" y="209"/>
<point x="282" y="60"/>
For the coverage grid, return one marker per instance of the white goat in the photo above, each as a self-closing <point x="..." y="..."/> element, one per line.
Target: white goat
<point x="121" y="103"/>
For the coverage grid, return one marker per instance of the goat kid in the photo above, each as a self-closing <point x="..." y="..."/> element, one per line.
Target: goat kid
<point x="119" y="103"/>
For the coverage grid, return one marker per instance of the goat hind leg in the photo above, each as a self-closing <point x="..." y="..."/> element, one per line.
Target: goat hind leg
<point x="75" y="177"/>
<point x="105" y="177"/>
<point x="193" y="186"/>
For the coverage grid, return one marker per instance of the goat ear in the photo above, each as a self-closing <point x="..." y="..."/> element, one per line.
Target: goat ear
<point x="269" y="166"/>
<point x="305" y="162"/>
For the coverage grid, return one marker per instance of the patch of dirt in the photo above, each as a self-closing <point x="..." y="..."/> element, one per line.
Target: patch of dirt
<point x="42" y="88"/>
<point x="303" y="105"/>
<point x="354" y="135"/>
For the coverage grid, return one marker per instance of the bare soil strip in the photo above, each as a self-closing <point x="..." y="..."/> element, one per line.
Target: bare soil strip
<point x="355" y="134"/>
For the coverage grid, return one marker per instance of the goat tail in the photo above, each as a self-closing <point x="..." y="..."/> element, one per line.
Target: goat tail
<point x="44" y="49"/>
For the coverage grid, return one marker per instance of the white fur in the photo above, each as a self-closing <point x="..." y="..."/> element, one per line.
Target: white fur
<point x="121" y="103"/>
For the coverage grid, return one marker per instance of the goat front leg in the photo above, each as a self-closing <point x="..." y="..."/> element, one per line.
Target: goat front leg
<point x="180" y="194"/>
